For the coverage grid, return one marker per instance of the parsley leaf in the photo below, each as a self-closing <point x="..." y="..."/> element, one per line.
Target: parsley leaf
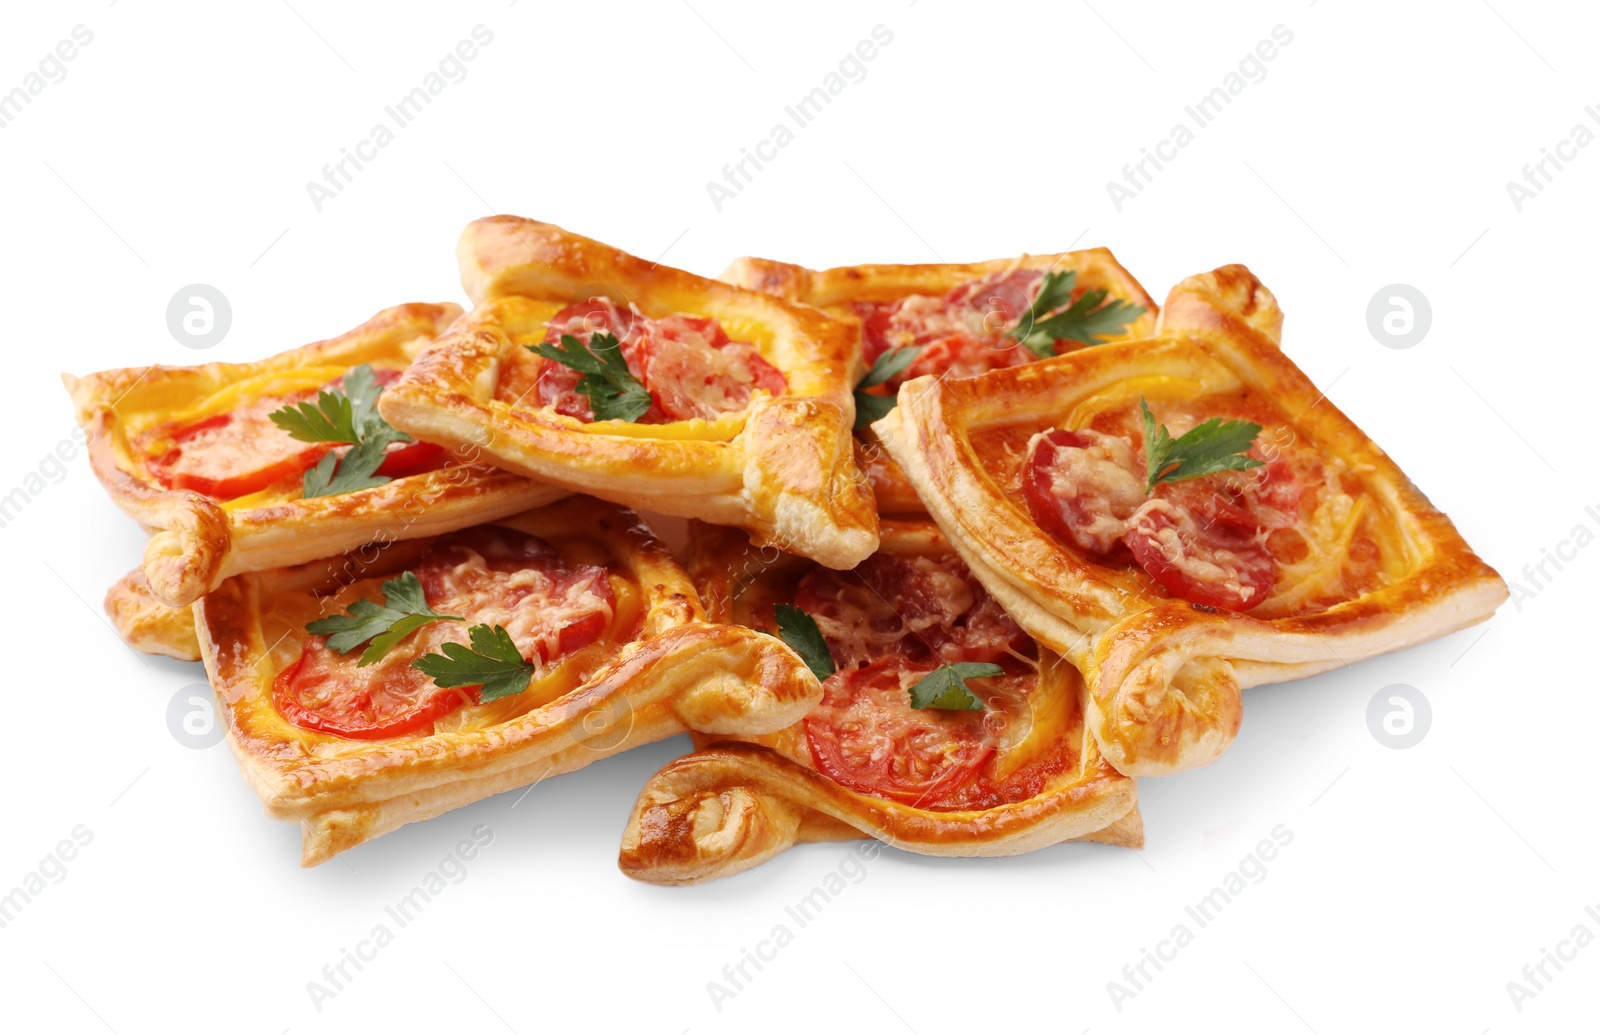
<point x="1089" y="320"/>
<point x="946" y="686"/>
<point x="614" y="393"/>
<point x="362" y="389"/>
<point x="1216" y="445"/>
<point x="331" y="419"/>
<point x="403" y="611"/>
<point x="494" y="664"/>
<point x="889" y="363"/>
<point x="871" y="406"/>
<point x="334" y="476"/>
<point x="799" y="630"/>
<point x="347" y="416"/>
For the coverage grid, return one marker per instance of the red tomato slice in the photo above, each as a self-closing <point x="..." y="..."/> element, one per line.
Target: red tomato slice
<point x="700" y="330"/>
<point x="234" y="454"/>
<point x="867" y="737"/>
<point x="687" y="363"/>
<point x="1000" y="301"/>
<point x="403" y="458"/>
<point x="1082" y="486"/>
<point x="961" y="333"/>
<point x="326" y="692"/>
<point x="485" y="574"/>
<point x="691" y="380"/>
<point x="1242" y="501"/>
<point x="1203" y="565"/>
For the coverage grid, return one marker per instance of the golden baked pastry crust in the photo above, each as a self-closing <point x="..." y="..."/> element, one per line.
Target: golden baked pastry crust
<point x="833" y="291"/>
<point x="148" y="625"/>
<point x="781" y="468"/>
<point x="199" y="541"/>
<point x="732" y="805"/>
<point x="1164" y="675"/>
<point x="675" y="672"/>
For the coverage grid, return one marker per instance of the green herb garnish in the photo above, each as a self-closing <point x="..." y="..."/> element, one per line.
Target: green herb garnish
<point x="403" y="611"/>
<point x="347" y="415"/>
<point x="946" y="686"/>
<point x="494" y="664"/>
<point x="799" y="630"/>
<point x="1089" y="320"/>
<point x="1217" y="445"/>
<point x="614" y="393"/>
<point x="871" y="406"/>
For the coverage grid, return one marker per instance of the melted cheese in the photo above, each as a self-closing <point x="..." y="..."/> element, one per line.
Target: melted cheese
<point x="1153" y="387"/>
<point x="235" y="395"/>
<point x="1049" y="715"/>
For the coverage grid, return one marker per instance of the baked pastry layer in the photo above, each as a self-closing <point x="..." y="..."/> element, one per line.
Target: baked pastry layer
<point x="199" y="540"/>
<point x="839" y="292"/>
<point x="781" y="467"/>
<point x="148" y="625"/>
<point x="1164" y="674"/>
<point x="729" y="806"/>
<point x="660" y="672"/>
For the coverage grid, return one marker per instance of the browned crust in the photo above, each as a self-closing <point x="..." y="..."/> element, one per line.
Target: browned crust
<point x="199" y="542"/>
<point x="680" y="673"/>
<point x="148" y="625"/>
<point x="783" y="469"/>
<point x="1227" y="302"/>
<point x="833" y="290"/>
<point x="730" y="806"/>
<point x="1164" y="676"/>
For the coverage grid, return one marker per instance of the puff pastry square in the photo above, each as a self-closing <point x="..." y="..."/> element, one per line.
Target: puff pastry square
<point x="1022" y="774"/>
<point x="131" y="417"/>
<point x="656" y="669"/>
<point x="993" y="291"/>
<point x="779" y="466"/>
<point x="1368" y="565"/>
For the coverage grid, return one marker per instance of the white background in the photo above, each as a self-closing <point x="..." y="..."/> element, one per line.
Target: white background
<point x="1376" y="150"/>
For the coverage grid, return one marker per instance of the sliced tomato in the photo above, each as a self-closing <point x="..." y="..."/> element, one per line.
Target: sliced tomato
<point x="687" y="363"/>
<point x="699" y="330"/>
<point x="234" y="454"/>
<point x="1242" y="501"/>
<point x="689" y="379"/>
<point x="597" y="315"/>
<point x="1025" y="782"/>
<point x="1000" y="301"/>
<point x="327" y="692"/>
<point x="489" y="575"/>
<point x="403" y="458"/>
<point x="865" y="735"/>
<point x="961" y="333"/>
<point x="877" y="321"/>
<point x="1082" y="486"/>
<point x="1211" y="566"/>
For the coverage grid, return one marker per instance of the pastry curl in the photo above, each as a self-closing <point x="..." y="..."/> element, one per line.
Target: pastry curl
<point x="1228" y="301"/>
<point x="732" y="805"/>
<point x="847" y="292"/>
<point x="1363" y="563"/>
<point x="778" y="465"/>
<point x="131" y="416"/>
<point x="657" y="670"/>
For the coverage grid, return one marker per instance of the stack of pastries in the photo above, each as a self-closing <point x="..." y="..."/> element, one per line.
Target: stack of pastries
<point x="971" y="547"/>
